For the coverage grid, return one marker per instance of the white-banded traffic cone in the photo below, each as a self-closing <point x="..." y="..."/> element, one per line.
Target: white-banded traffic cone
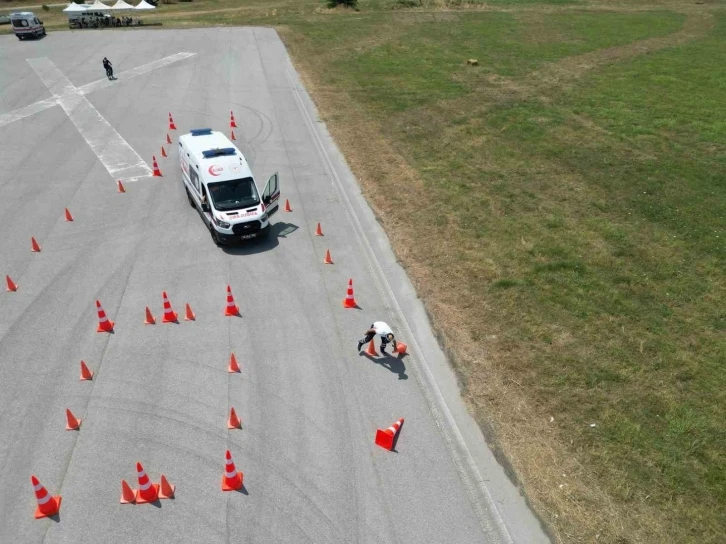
<point x="104" y="323"/>
<point x="147" y="492"/>
<point x="386" y="438"/>
<point x="47" y="505"/>
<point x="349" y="301"/>
<point x="232" y="480"/>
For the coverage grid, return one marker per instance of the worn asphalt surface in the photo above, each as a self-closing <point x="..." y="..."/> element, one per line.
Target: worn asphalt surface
<point x="309" y="403"/>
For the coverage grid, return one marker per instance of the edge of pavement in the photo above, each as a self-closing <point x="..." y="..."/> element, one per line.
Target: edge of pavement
<point x="502" y="510"/>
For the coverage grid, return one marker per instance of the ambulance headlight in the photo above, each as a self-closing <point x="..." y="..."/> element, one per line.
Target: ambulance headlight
<point x="221" y="224"/>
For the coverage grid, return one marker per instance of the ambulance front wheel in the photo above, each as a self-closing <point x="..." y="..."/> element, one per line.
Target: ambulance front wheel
<point x="215" y="237"/>
<point x="190" y="199"/>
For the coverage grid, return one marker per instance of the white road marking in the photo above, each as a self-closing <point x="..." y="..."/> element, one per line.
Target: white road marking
<point x="116" y="155"/>
<point x="41" y="105"/>
<point x="133" y="72"/>
<point x="18" y="114"/>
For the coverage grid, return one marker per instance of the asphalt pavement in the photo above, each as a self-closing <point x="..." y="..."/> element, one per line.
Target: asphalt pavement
<point x="309" y="403"/>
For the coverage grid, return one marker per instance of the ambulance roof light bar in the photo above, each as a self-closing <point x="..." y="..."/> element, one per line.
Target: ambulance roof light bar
<point x="219" y="152"/>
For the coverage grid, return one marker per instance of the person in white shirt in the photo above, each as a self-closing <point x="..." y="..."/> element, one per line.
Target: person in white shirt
<point x="381" y="328"/>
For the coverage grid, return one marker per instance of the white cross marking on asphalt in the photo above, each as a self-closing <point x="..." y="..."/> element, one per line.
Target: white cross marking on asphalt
<point x="116" y="155"/>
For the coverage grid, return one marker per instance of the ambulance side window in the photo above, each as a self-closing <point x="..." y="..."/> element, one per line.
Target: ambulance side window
<point x="194" y="177"/>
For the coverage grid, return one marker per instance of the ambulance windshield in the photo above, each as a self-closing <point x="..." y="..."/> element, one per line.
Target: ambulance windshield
<point x="233" y="194"/>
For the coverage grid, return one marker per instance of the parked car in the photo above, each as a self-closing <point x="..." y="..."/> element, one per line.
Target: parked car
<point x="4" y="19"/>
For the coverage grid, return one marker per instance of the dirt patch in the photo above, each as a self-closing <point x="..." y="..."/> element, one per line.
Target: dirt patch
<point x="569" y="70"/>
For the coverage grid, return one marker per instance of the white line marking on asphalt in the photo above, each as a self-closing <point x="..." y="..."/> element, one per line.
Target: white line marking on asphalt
<point x="133" y="72"/>
<point x="468" y="471"/>
<point x="18" y="114"/>
<point x="116" y="155"/>
<point x="41" y="105"/>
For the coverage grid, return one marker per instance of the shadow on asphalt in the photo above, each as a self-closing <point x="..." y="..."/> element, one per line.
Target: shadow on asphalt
<point x="282" y="229"/>
<point x="253" y="246"/>
<point x="389" y="362"/>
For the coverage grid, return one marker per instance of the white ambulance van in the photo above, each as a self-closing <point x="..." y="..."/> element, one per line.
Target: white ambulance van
<point x="26" y="25"/>
<point x="220" y="186"/>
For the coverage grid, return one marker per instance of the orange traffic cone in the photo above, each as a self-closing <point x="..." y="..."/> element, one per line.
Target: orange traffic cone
<point x="166" y="490"/>
<point x="47" y="505"/>
<point x="69" y="217"/>
<point x="188" y="314"/>
<point x="233" y="422"/>
<point x="232" y="136"/>
<point x="232" y="123"/>
<point x="319" y="230"/>
<point x="371" y="349"/>
<point x="86" y="374"/>
<point x="169" y="314"/>
<point x="72" y="424"/>
<point x="149" y="318"/>
<point x="231" y="309"/>
<point x="104" y="323"/>
<point x="400" y="348"/>
<point x="232" y="479"/>
<point x="147" y="492"/>
<point x="327" y="259"/>
<point x="386" y="438"/>
<point x="128" y="495"/>
<point x="233" y="366"/>
<point x="349" y="301"/>
<point x="157" y="172"/>
<point x="168" y="140"/>
<point x="163" y="152"/>
<point x="34" y="247"/>
<point x="287" y="206"/>
<point x="120" y="186"/>
<point x="172" y="126"/>
<point x="12" y="286"/>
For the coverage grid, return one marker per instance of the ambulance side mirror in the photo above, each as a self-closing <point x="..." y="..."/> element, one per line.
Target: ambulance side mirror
<point x="205" y="207"/>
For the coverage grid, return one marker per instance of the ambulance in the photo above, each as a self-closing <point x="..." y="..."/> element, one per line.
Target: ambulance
<point x="220" y="186"/>
<point x="27" y="25"/>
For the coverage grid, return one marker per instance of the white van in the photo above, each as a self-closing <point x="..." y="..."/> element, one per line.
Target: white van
<point x="26" y="25"/>
<point x="219" y="184"/>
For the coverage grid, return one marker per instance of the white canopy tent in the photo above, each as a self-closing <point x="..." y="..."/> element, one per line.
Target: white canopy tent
<point x="99" y="6"/>
<point x="121" y="5"/>
<point x="75" y="8"/>
<point x="141" y="6"/>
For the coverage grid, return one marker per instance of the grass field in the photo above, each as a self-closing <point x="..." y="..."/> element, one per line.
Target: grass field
<point x="561" y="209"/>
